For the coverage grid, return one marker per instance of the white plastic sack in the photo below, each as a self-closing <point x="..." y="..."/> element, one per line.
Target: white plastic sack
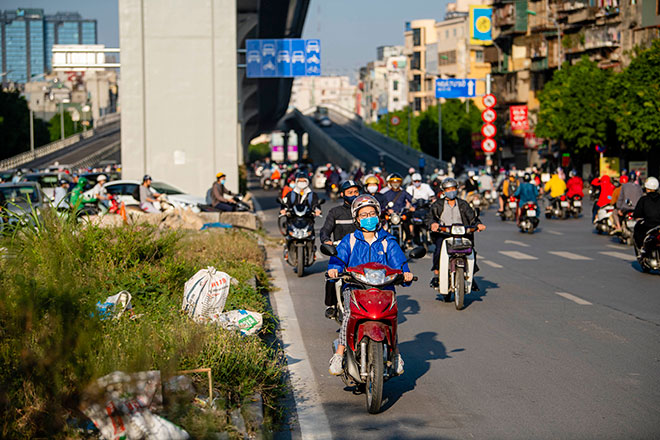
<point x="115" y="305"/>
<point x="120" y="405"/>
<point x="205" y="294"/>
<point x="245" y="321"/>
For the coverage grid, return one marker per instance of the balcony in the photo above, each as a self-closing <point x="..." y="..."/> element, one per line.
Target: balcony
<point x="539" y="64"/>
<point x="504" y="16"/>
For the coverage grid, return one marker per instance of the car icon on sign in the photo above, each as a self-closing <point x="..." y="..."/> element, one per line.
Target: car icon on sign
<point x="313" y="46"/>
<point x="268" y="49"/>
<point x="253" y="57"/>
<point x="283" y="56"/>
<point x="298" y="57"/>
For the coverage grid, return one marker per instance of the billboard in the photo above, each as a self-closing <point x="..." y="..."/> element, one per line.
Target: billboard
<point x="519" y="119"/>
<point x="481" y="25"/>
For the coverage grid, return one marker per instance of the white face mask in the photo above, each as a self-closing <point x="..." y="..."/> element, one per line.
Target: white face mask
<point x="372" y="189"/>
<point x="417" y="184"/>
<point x="302" y="184"/>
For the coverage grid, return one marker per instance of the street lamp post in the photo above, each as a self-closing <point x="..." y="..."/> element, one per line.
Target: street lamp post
<point x="61" y="120"/>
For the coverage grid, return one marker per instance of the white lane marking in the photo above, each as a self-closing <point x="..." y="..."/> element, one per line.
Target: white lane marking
<point x="574" y="298"/>
<point x="617" y="246"/>
<point x="550" y="231"/>
<point x="620" y="255"/>
<point x="491" y="263"/>
<point x="517" y="255"/>
<point x="311" y="415"/>
<point x="569" y="255"/>
<point x="517" y="243"/>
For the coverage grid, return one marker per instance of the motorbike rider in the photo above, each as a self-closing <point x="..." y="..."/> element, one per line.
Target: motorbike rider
<point x="629" y="195"/>
<point x="221" y="198"/>
<point x="76" y="198"/>
<point x="574" y="185"/>
<point x="98" y="191"/>
<point x="370" y="243"/>
<point x="556" y="186"/>
<point x="147" y="196"/>
<point x="338" y="223"/>
<point x="448" y="211"/>
<point x="647" y="212"/>
<point x="605" y="197"/>
<point x="409" y="177"/>
<point x="61" y="191"/>
<point x="301" y="194"/>
<point x="527" y="192"/>
<point x="420" y="190"/>
<point x="508" y="187"/>
<point x="400" y="199"/>
<point x="485" y="182"/>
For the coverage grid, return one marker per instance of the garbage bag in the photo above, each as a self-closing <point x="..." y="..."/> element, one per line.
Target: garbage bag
<point x="245" y="321"/>
<point x="121" y="406"/>
<point x="205" y="294"/>
<point x="114" y="306"/>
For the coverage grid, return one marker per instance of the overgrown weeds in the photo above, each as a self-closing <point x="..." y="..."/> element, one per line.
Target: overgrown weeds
<point x="52" y="342"/>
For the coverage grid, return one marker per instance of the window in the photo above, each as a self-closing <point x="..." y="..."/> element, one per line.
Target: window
<point x="416" y="61"/>
<point x="447" y="58"/>
<point x="479" y="56"/>
<point x="417" y="37"/>
<point x="395" y="85"/>
<point x="454" y="32"/>
<point x="417" y="104"/>
<point x="447" y="34"/>
<point x="416" y="83"/>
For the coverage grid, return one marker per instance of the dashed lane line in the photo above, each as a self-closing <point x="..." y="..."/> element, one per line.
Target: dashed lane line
<point x="550" y="231"/>
<point x="574" y="298"/>
<point x="620" y="255"/>
<point x="491" y="263"/>
<point x="517" y="243"/>
<point x="518" y="255"/>
<point x="569" y="255"/>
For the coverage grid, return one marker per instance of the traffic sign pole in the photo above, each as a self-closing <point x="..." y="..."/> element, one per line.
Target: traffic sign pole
<point x="439" y="131"/>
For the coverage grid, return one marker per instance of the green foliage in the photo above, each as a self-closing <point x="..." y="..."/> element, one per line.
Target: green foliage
<point x="52" y="344"/>
<point x="258" y="151"/>
<point x="15" y="126"/>
<point x="574" y="106"/>
<point x="636" y="101"/>
<point x="70" y="127"/>
<point x="399" y="132"/>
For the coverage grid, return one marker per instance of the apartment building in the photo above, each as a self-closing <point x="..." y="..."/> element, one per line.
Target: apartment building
<point x="383" y="83"/>
<point x="311" y="91"/>
<point x="417" y="36"/>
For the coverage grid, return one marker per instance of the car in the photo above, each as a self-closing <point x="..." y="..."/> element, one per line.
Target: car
<point x="123" y="192"/>
<point x="325" y="122"/>
<point x="47" y="182"/>
<point x="21" y="200"/>
<point x="268" y="49"/>
<point x="253" y="57"/>
<point x="298" y="57"/>
<point x="318" y="181"/>
<point x="283" y="57"/>
<point x="320" y="113"/>
<point x="313" y="46"/>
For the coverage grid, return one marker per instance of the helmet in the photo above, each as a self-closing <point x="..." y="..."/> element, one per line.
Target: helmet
<point x="441" y="172"/>
<point x="362" y="201"/>
<point x="372" y="180"/>
<point x="377" y="170"/>
<point x="470" y="173"/>
<point x="146" y="177"/>
<point x="623" y="179"/>
<point x="416" y="177"/>
<point x="572" y="173"/>
<point x="394" y="176"/>
<point x="82" y="181"/>
<point x="527" y="177"/>
<point x="411" y="170"/>
<point x="219" y="175"/>
<point x="101" y="178"/>
<point x="63" y="182"/>
<point x="651" y="183"/>
<point x="449" y="183"/>
<point x="301" y="175"/>
<point x="348" y="184"/>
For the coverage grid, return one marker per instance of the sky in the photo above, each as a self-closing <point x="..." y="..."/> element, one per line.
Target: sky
<point x="350" y="30"/>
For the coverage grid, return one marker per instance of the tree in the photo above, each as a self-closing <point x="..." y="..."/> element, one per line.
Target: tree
<point x="55" y="126"/>
<point x="636" y="101"/>
<point x="15" y="126"/>
<point x="574" y="106"/>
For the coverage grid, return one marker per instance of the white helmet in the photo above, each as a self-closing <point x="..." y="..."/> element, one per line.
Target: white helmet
<point x="362" y="201"/>
<point x="651" y="183"/>
<point x="416" y="177"/>
<point x="101" y="178"/>
<point x="471" y="173"/>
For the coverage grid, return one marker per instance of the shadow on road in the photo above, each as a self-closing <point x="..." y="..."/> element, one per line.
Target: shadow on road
<point x="417" y="355"/>
<point x="484" y="286"/>
<point x="407" y="306"/>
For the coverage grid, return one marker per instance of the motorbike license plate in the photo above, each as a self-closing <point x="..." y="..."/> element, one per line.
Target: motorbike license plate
<point x="577" y="203"/>
<point x="564" y="204"/>
<point x="531" y="213"/>
<point x="512" y="204"/>
<point x="631" y="224"/>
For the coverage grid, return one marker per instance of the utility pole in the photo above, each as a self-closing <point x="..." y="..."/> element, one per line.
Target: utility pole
<point x="439" y="130"/>
<point x="61" y="120"/>
<point x="409" y="124"/>
<point x="32" y="132"/>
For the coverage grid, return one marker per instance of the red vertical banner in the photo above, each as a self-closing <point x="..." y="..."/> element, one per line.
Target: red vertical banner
<point x="518" y="116"/>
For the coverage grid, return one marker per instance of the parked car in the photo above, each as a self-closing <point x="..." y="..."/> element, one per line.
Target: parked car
<point x="47" y="182"/>
<point x="20" y="200"/>
<point x="123" y="191"/>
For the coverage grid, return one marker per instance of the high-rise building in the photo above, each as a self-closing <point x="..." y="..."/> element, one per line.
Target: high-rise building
<point x="27" y="37"/>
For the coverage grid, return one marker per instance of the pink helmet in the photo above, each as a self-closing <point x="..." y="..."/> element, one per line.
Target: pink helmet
<point x="362" y="201"/>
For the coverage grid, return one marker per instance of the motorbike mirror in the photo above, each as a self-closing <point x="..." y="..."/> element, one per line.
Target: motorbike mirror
<point x="321" y="202"/>
<point x="280" y="201"/>
<point x="329" y="250"/>
<point x="417" y="253"/>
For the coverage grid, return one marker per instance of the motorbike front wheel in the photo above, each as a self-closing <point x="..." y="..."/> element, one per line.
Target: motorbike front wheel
<point x="459" y="295"/>
<point x="300" y="267"/>
<point x="374" y="385"/>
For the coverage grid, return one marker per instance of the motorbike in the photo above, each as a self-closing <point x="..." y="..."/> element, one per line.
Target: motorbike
<point x="395" y="222"/>
<point x="299" y="248"/>
<point x="421" y="234"/>
<point x="489" y="198"/>
<point x="558" y="207"/>
<point x="456" y="264"/>
<point x="510" y="207"/>
<point x="604" y="223"/>
<point x="332" y="190"/>
<point x="575" y="206"/>
<point x="528" y="218"/>
<point x="476" y="202"/>
<point x="649" y="259"/>
<point x="372" y="328"/>
<point x="627" y="227"/>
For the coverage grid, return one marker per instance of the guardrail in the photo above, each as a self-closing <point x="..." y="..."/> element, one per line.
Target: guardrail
<point x="324" y="148"/>
<point x="390" y="146"/>
<point x="108" y="119"/>
<point x="97" y="155"/>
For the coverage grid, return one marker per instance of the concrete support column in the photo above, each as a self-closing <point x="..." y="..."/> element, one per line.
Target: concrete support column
<point x="179" y="91"/>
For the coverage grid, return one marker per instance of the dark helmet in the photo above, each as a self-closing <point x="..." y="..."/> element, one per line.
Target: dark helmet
<point x="527" y="177"/>
<point x="301" y="175"/>
<point x="146" y="177"/>
<point x="348" y="184"/>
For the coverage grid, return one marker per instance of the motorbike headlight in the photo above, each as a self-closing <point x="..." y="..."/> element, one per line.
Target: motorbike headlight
<point x="374" y="277"/>
<point x="395" y="219"/>
<point x="300" y="232"/>
<point x="458" y="230"/>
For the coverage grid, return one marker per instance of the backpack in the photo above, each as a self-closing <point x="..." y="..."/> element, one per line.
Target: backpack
<point x="352" y="241"/>
<point x="209" y="199"/>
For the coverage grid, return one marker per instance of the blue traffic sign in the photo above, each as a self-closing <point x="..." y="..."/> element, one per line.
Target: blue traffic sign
<point x="455" y="88"/>
<point x="282" y="58"/>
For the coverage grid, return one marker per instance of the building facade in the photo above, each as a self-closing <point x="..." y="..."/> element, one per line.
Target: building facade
<point x="383" y="83"/>
<point x="28" y="35"/>
<point x="311" y="91"/>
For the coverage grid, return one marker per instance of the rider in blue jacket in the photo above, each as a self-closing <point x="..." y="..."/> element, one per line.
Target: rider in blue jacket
<point x="526" y="192"/>
<point x="368" y="244"/>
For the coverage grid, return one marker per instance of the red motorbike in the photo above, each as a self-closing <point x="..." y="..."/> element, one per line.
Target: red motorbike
<point x="372" y="328"/>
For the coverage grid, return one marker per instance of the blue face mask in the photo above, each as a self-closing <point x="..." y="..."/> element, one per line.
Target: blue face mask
<point x="451" y="195"/>
<point x="349" y="199"/>
<point x="369" y="223"/>
<point x="222" y="182"/>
